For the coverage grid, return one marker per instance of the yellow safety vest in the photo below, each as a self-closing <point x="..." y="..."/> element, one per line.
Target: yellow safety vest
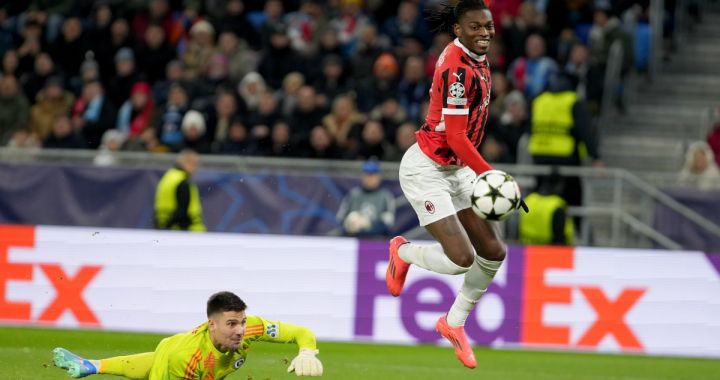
<point x="166" y="201"/>
<point x="552" y="122"/>
<point x="536" y="226"/>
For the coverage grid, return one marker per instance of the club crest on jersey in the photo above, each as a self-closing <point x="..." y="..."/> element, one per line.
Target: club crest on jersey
<point x="429" y="207"/>
<point x="457" y="90"/>
<point x="272" y="331"/>
<point x="238" y="363"/>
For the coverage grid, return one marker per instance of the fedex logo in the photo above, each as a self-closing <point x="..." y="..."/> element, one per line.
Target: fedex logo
<point x="68" y="287"/>
<point x="525" y="297"/>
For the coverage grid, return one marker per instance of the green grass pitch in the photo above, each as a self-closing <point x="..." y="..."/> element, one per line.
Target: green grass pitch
<point x="25" y="353"/>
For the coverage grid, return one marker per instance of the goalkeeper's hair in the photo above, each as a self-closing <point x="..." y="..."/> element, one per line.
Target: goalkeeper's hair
<point x="221" y="302"/>
<point x="443" y="19"/>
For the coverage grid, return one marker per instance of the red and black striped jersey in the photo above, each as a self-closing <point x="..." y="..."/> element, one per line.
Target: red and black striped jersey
<point x="461" y="86"/>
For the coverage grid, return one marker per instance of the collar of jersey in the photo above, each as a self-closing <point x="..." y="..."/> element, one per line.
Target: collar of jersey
<point x="467" y="51"/>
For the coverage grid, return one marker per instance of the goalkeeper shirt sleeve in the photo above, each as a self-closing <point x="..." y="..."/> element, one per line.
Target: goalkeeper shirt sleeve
<point x="279" y="332"/>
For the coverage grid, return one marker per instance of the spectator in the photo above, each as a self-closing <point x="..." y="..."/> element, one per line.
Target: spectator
<point x="700" y="169"/>
<point x="216" y="76"/>
<point x="52" y="101"/>
<point x="11" y="63"/>
<point x="515" y="32"/>
<point x="136" y="114"/>
<point x="93" y="114"/>
<point x="349" y="24"/>
<point x="193" y="130"/>
<point x="381" y="86"/>
<point x="510" y="126"/>
<point x="369" y="209"/>
<point x="174" y="73"/>
<point x="29" y="46"/>
<point x="199" y="49"/>
<point x="369" y="47"/>
<point x="14" y="108"/>
<point x="156" y="12"/>
<point x="241" y="58"/>
<point x="287" y="95"/>
<point x="440" y="41"/>
<point x="577" y="68"/>
<point x="548" y="223"/>
<point x="125" y="77"/>
<point x="170" y="117"/>
<point x="234" y="20"/>
<point x="69" y="50"/>
<point x="23" y="138"/>
<point x="277" y="143"/>
<point x="63" y="136"/>
<point x="500" y="89"/>
<point x="251" y="89"/>
<point x="391" y="115"/>
<point x="272" y="15"/>
<point x="106" y="49"/>
<point x="279" y="60"/>
<point x="530" y="74"/>
<point x="237" y="142"/>
<point x="219" y="118"/>
<point x="605" y="31"/>
<point x="34" y="81"/>
<point x="112" y="141"/>
<point x="373" y="142"/>
<point x="404" y="139"/>
<point x="344" y="123"/>
<point x="147" y="141"/>
<point x="154" y="54"/>
<point x="334" y="81"/>
<point x="322" y="145"/>
<point x="408" y="22"/>
<point x="413" y="87"/>
<point x="304" y="26"/>
<point x="306" y="115"/>
<point x="177" y="198"/>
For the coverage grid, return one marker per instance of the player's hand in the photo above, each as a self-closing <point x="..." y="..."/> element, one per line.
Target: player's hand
<point x="306" y="364"/>
<point x="524" y="206"/>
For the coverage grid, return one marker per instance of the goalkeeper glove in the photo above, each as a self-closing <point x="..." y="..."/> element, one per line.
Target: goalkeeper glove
<point x="306" y="364"/>
<point x="524" y="206"/>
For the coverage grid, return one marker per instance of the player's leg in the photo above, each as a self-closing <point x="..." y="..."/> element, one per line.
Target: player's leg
<point x="131" y="366"/>
<point x="490" y="249"/>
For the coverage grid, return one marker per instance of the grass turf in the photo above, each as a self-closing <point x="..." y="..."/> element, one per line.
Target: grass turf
<point x="25" y="353"/>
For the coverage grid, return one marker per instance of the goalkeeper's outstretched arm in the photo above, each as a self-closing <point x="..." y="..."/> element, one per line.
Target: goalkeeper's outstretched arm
<point x="306" y="362"/>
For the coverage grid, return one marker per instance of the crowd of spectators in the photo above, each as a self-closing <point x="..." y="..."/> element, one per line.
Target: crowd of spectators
<point x="295" y="78"/>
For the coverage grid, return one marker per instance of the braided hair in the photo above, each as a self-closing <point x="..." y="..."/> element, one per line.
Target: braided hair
<point x="443" y="19"/>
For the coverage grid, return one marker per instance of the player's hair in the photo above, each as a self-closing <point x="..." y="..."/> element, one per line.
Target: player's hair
<point x="443" y="19"/>
<point x="221" y="302"/>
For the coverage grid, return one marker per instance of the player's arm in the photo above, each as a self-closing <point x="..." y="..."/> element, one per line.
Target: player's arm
<point x="306" y="363"/>
<point x="455" y="113"/>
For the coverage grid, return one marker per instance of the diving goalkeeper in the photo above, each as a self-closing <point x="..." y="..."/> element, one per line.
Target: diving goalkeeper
<point x="212" y="350"/>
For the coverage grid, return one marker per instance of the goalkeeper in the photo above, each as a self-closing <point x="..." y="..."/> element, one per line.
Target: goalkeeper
<point x="212" y="350"/>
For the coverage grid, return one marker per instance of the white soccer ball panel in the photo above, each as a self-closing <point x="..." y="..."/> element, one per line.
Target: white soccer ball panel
<point x="495" y="179"/>
<point x="481" y="188"/>
<point x="509" y="190"/>
<point x="484" y="205"/>
<point x="502" y="206"/>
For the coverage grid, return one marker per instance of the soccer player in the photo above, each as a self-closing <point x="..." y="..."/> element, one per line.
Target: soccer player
<point x="212" y="350"/>
<point x="437" y="173"/>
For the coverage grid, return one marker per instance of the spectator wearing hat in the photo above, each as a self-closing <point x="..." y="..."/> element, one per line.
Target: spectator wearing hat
<point x="93" y="114"/>
<point x="125" y="77"/>
<point x="368" y="210"/>
<point x="382" y="85"/>
<point x="193" y="130"/>
<point x="136" y="113"/>
<point x="51" y="102"/>
<point x="200" y="47"/>
<point x="251" y="88"/>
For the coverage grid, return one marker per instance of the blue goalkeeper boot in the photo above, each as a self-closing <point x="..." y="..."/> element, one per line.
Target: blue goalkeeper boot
<point x="76" y="366"/>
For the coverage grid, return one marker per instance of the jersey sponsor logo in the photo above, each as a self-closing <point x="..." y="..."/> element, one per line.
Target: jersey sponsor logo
<point x="457" y="101"/>
<point x="429" y="207"/>
<point x="457" y="90"/>
<point x="272" y="330"/>
<point x="238" y="363"/>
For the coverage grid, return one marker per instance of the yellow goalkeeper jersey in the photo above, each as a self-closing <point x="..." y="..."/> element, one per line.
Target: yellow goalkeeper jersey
<point x="192" y="356"/>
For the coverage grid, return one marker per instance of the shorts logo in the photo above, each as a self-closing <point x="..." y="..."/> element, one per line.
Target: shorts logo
<point x="272" y="331"/>
<point x="457" y="90"/>
<point x="430" y="207"/>
<point x="238" y="363"/>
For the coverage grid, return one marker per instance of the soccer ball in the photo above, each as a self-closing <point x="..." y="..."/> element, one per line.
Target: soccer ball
<point x="495" y="195"/>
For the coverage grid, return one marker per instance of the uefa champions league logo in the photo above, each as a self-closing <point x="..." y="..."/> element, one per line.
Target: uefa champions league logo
<point x="457" y="90"/>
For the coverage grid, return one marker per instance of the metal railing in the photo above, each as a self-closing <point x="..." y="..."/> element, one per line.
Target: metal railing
<point x="636" y="217"/>
<point x="657" y="16"/>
